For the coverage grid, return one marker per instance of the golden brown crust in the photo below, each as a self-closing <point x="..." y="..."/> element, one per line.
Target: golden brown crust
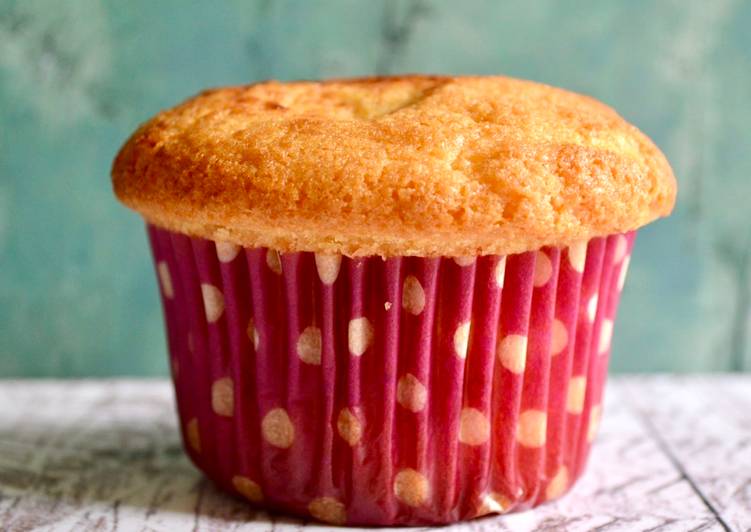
<point x="411" y="165"/>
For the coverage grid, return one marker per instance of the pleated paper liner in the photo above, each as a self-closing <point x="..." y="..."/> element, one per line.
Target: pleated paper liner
<point x="400" y="391"/>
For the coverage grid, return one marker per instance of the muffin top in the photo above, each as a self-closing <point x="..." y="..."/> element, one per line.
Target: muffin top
<point x="411" y="165"/>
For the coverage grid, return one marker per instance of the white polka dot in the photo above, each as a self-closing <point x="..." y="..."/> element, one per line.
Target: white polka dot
<point x="592" y="307"/>
<point x="253" y="335"/>
<point x="411" y="487"/>
<point x="559" y="339"/>
<point x="500" y="272"/>
<point x="474" y="427"/>
<point x="621" y="246"/>
<point x="577" y="256"/>
<point x="309" y="345"/>
<point x="193" y="435"/>
<point x="328" y="267"/>
<point x="248" y="488"/>
<point x="273" y="261"/>
<point x="277" y="428"/>
<point x="360" y="336"/>
<point x="387" y="305"/>
<point x="531" y="429"/>
<point x="494" y="503"/>
<point x="413" y="295"/>
<point x="411" y="393"/>
<point x="595" y="414"/>
<point x="512" y="352"/>
<point x="226" y="251"/>
<point x="464" y="261"/>
<point x="461" y="339"/>
<point x="349" y="427"/>
<point x="223" y="397"/>
<point x="213" y="302"/>
<point x="543" y="269"/>
<point x="577" y="390"/>
<point x="606" y="335"/>
<point x="558" y="484"/>
<point x="328" y="510"/>
<point x="622" y="273"/>
<point x="165" y="279"/>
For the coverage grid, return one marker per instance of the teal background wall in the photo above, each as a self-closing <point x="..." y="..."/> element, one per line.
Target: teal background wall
<point x="77" y="292"/>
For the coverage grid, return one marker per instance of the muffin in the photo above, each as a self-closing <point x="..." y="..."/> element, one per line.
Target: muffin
<point x="391" y="300"/>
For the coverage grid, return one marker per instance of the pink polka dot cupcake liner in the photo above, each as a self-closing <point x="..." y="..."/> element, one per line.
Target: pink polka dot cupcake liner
<point x="406" y="390"/>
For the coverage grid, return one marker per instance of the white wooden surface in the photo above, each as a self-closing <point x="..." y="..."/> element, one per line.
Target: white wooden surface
<point x="674" y="453"/>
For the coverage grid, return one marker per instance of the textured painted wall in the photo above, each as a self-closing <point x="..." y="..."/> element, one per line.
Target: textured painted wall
<point x="77" y="293"/>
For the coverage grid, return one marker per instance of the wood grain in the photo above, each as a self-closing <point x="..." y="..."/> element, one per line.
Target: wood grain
<point x="673" y="454"/>
<point x="705" y="425"/>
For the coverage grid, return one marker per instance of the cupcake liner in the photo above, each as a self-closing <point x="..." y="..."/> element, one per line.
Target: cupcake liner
<point x="378" y="391"/>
